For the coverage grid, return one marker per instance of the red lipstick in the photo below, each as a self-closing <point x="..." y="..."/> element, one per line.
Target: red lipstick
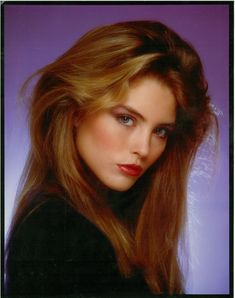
<point x="130" y="169"/>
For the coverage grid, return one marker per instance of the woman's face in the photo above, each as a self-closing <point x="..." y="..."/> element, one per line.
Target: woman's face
<point x="121" y="143"/>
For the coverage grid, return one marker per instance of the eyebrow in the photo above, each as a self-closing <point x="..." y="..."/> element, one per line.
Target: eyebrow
<point x="171" y="125"/>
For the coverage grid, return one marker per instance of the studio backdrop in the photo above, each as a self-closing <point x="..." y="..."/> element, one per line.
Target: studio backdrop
<point x="35" y="35"/>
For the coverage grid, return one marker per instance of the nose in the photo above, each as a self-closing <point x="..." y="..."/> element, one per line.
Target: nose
<point x="141" y="144"/>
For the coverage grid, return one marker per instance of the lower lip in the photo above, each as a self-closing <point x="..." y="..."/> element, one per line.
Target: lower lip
<point x="130" y="170"/>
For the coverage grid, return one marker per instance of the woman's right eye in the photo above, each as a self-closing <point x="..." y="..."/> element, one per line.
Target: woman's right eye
<point x="125" y="120"/>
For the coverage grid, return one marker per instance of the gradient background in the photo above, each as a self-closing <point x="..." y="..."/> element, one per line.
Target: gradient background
<point x="37" y="34"/>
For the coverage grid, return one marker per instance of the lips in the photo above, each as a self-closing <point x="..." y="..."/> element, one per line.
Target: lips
<point x="130" y="169"/>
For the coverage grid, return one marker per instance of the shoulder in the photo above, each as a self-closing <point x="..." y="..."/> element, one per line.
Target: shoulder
<point x="49" y="211"/>
<point x="52" y="228"/>
<point x="54" y="250"/>
<point x="40" y="226"/>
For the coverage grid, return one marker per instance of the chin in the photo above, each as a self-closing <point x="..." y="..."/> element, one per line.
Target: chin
<point x="121" y="187"/>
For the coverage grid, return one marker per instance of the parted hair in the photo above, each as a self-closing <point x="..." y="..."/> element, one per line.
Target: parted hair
<point x="94" y="74"/>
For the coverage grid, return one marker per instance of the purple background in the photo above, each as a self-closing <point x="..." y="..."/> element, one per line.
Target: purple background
<point x="37" y="34"/>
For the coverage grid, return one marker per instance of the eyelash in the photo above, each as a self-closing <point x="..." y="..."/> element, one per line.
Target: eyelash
<point x="124" y="118"/>
<point x="159" y="131"/>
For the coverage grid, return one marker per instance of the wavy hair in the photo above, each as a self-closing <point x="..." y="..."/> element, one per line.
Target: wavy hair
<point x="96" y="74"/>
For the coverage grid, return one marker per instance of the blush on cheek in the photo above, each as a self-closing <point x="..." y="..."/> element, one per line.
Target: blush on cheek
<point x="106" y="136"/>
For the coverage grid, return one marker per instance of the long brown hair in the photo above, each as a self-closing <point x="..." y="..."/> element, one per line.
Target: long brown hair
<point x="96" y="74"/>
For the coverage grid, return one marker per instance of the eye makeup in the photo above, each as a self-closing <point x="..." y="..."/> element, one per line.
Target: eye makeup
<point x="128" y="116"/>
<point x="164" y="132"/>
<point x="125" y="119"/>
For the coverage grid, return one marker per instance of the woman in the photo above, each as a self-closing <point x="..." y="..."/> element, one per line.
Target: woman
<point x="115" y="124"/>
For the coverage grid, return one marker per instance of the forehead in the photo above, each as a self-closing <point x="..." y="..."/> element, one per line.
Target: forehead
<point x="152" y="99"/>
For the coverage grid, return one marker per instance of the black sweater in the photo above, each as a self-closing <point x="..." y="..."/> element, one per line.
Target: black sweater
<point x="56" y="251"/>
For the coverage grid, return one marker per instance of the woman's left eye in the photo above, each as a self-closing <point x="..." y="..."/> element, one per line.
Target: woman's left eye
<point x="125" y="120"/>
<point x="162" y="132"/>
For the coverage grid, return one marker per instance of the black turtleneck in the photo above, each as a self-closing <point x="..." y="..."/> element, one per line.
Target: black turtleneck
<point x="56" y="251"/>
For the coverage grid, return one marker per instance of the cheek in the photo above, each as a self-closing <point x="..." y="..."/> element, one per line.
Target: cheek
<point x="157" y="153"/>
<point x="105" y="139"/>
<point x="104" y="136"/>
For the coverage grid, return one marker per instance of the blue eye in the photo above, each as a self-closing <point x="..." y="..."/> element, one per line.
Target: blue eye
<point x="162" y="132"/>
<point x="125" y="120"/>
